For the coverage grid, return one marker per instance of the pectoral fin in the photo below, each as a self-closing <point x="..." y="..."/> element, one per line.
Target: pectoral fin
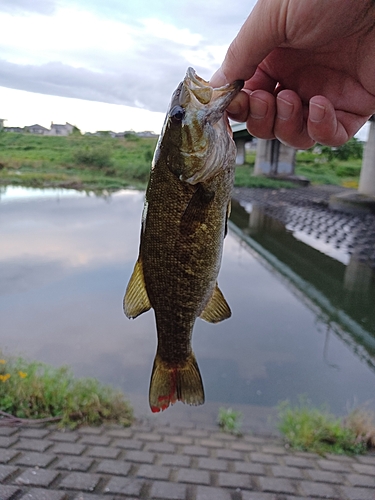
<point x="136" y="300"/>
<point x="217" y="308"/>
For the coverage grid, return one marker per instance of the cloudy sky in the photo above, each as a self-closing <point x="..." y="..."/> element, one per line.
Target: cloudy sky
<point x="107" y="64"/>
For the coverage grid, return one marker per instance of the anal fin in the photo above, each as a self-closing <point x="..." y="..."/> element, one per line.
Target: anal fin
<point x="217" y="308"/>
<point x="136" y="300"/>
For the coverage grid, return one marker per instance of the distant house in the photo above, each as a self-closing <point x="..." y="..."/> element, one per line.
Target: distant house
<point x="56" y="129"/>
<point x="2" y="120"/>
<point x="17" y="130"/>
<point x="37" y="129"/>
<point x="147" y="133"/>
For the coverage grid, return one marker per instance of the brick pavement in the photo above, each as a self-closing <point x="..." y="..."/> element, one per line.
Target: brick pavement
<point x="170" y="462"/>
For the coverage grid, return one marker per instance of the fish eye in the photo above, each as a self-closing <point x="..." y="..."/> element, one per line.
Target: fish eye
<point x="177" y="114"/>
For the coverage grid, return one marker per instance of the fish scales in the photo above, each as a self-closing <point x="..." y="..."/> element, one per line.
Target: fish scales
<point x="183" y="228"/>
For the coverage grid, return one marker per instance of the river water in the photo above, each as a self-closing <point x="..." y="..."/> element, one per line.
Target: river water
<point x="65" y="260"/>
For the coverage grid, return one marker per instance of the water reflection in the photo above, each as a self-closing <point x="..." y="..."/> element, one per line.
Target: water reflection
<point x="65" y="261"/>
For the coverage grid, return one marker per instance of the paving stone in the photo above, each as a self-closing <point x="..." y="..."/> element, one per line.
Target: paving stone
<point x="255" y="439"/>
<point x="103" y="452"/>
<point x="6" y="471"/>
<point x="90" y="430"/>
<point x="8" y="492"/>
<point x="40" y="494"/>
<point x="275" y="450"/>
<point x="229" y="454"/>
<point x="161" y="490"/>
<point x="154" y="472"/>
<point x="232" y="480"/>
<point x="195" y="451"/>
<point x="242" y="446"/>
<point x="213" y="464"/>
<point x="39" y="445"/>
<point x="79" y="464"/>
<point x="197" y="433"/>
<point x="35" y="459"/>
<point x="193" y="476"/>
<point x="249" y="468"/>
<point x="176" y="460"/>
<point x="7" y="441"/>
<point x="182" y="440"/>
<point x="289" y="472"/>
<point x="294" y="461"/>
<point x="140" y="456"/>
<point x="252" y="495"/>
<point x="37" y="477"/>
<point x="161" y="447"/>
<point x="263" y="458"/>
<point x="80" y="481"/>
<point x="320" y="490"/>
<point x="128" y="444"/>
<point x="358" y="493"/>
<point x="334" y="466"/>
<point x="124" y="486"/>
<point x="8" y="431"/>
<point x="88" y="496"/>
<point x="96" y="440"/>
<point x="68" y="449"/>
<point x="211" y="443"/>
<point x="361" y="480"/>
<point x="7" y="455"/>
<point x="366" y="459"/>
<point x="114" y="467"/>
<point x="67" y="437"/>
<point x="364" y="469"/>
<point x="34" y="433"/>
<point x="207" y="493"/>
<point x="120" y="433"/>
<point x="324" y="476"/>
<point x="276" y="485"/>
<point x="148" y="436"/>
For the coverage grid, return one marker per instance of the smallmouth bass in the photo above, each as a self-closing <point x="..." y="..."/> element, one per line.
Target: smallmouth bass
<point x="184" y="223"/>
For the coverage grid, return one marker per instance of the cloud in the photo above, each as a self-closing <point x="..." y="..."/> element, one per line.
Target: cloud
<point x="46" y="7"/>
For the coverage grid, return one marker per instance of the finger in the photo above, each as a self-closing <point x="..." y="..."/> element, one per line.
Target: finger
<point x="238" y="109"/>
<point x="290" y="125"/>
<point x="261" y="118"/>
<point x="329" y="126"/>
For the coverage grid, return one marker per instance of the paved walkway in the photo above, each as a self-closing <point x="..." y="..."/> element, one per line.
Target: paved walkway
<point x="186" y="462"/>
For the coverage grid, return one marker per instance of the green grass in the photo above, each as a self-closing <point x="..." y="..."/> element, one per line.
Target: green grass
<point x="229" y="421"/>
<point x="83" y="162"/>
<point x="105" y="163"/>
<point x="34" y="390"/>
<point x="316" y="430"/>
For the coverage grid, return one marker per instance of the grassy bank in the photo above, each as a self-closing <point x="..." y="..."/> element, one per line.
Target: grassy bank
<point x="105" y="163"/>
<point x="30" y="391"/>
<point x="81" y="162"/>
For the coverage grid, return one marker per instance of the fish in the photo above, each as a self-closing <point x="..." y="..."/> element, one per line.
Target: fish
<point x="184" y="222"/>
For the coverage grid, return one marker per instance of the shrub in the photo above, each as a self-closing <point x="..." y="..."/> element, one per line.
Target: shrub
<point x="96" y="156"/>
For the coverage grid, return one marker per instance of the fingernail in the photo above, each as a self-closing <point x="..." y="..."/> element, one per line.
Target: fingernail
<point x="258" y="108"/>
<point x="284" y="109"/>
<point x="316" y="112"/>
<point x="218" y="79"/>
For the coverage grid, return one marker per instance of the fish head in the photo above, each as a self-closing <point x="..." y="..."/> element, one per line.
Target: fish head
<point x="196" y="130"/>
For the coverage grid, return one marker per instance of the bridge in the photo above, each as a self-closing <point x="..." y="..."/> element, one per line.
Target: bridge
<point x="276" y="159"/>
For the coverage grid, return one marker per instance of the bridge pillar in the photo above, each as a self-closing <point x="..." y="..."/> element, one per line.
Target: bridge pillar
<point x="367" y="177"/>
<point x="274" y="158"/>
<point x="240" y="143"/>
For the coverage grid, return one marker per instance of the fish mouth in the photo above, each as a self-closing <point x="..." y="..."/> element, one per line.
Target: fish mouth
<point x="195" y="88"/>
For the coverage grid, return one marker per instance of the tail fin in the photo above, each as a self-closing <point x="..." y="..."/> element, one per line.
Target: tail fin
<point x="171" y="383"/>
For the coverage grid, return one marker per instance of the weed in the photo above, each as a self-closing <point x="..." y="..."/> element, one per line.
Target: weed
<point x="310" y="429"/>
<point x="34" y="390"/>
<point x="230" y="421"/>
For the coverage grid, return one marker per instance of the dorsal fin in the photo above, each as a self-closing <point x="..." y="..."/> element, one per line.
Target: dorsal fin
<point x="136" y="300"/>
<point x="217" y="308"/>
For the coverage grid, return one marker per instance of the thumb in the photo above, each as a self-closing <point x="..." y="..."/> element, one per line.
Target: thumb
<point x="260" y="34"/>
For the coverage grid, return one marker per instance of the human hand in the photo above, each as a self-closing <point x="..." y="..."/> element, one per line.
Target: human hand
<point x="309" y="70"/>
